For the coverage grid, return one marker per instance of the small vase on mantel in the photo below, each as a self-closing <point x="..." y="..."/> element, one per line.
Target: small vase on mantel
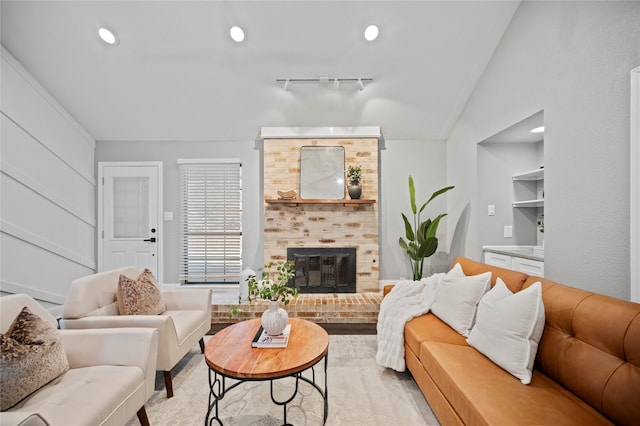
<point x="274" y="319"/>
<point x="355" y="191"/>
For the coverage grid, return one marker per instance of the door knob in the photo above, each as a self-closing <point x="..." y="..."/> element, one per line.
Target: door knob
<point x="151" y="240"/>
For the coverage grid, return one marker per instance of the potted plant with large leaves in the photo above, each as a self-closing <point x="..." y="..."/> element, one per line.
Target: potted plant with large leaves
<point x="421" y="235"/>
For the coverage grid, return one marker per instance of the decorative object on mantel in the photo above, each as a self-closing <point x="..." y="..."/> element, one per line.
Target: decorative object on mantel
<point x="421" y="236"/>
<point x="321" y="172"/>
<point x="354" y="176"/>
<point x="288" y="194"/>
<point x="273" y="287"/>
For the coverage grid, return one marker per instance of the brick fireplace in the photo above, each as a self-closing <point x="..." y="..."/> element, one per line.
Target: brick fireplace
<point x="308" y="224"/>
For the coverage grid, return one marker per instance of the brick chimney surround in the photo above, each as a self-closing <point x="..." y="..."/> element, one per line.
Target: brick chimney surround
<point x="311" y="224"/>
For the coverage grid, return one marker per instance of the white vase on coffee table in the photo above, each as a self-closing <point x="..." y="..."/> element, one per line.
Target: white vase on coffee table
<point x="274" y="319"/>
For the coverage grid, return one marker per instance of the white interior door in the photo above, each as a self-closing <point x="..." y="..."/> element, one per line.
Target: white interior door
<point x="129" y="216"/>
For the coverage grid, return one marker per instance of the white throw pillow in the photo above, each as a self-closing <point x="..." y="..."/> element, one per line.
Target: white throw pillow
<point x="458" y="297"/>
<point x="508" y="328"/>
<point x="456" y="271"/>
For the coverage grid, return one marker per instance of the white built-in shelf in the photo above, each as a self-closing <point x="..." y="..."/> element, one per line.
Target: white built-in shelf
<point x="529" y="203"/>
<point x="537" y="174"/>
<point x="532" y="176"/>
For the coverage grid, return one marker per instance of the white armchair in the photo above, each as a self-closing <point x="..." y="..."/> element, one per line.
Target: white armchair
<point x="111" y="374"/>
<point x="91" y="303"/>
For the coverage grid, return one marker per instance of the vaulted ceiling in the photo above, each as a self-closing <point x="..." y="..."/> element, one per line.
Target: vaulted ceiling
<point x="177" y="75"/>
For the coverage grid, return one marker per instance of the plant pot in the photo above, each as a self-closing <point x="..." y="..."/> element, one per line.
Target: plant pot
<point x="274" y="319"/>
<point x="355" y="191"/>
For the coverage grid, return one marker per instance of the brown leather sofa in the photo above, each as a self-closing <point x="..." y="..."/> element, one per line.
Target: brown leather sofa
<point x="587" y="368"/>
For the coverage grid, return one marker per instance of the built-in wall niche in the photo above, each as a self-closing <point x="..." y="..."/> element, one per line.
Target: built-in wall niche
<point x="511" y="185"/>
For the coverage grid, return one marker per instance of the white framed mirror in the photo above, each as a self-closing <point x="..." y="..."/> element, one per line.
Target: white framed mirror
<point x="322" y="172"/>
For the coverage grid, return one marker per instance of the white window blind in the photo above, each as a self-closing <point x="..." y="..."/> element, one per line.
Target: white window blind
<point x="211" y="214"/>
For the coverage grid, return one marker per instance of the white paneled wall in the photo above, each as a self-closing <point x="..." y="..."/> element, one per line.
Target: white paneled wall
<point x="47" y="187"/>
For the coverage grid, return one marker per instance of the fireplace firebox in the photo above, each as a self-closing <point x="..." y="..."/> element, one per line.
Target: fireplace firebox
<point x="323" y="270"/>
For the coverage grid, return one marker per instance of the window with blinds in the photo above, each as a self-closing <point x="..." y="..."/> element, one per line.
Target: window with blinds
<point x="211" y="215"/>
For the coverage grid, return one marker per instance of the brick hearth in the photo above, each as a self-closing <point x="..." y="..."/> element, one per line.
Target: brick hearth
<point x="342" y="308"/>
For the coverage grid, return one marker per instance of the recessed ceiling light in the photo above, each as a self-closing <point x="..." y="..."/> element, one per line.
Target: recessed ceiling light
<point x="537" y="130"/>
<point x="371" y="33"/>
<point x="237" y="34"/>
<point x="108" y="36"/>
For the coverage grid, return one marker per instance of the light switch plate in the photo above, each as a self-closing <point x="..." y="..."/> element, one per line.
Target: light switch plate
<point x="491" y="210"/>
<point x="508" y="231"/>
<point x="168" y="215"/>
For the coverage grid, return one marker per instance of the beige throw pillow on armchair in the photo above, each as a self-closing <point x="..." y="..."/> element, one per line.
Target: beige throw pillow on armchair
<point x="139" y="296"/>
<point x="31" y="355"/>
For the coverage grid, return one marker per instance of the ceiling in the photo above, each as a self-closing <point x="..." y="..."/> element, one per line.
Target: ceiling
<point x="520" y="132"/>
<point x="176" y="75"/>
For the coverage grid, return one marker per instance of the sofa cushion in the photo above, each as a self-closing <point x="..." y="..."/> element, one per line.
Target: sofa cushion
<point x="31" y="355"/>
<point x="458" y="298"/>
<point x="430" y="328"/>
<point x="483" y="393"/>
<point x="508" y="328"/>
<point x="96" y="395"/>
<point x="139" y="296"/>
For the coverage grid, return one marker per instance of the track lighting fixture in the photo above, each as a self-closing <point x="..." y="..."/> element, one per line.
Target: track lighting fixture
<point x="323" y="82"/>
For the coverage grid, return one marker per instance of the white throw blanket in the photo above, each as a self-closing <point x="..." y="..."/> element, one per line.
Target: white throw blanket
<point x="407" y="299"/>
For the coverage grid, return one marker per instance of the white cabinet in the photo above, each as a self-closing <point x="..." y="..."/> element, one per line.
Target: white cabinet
<point x="497" y="259"/>
<point x="510" y="257"/>
<point x="528" y="266"/>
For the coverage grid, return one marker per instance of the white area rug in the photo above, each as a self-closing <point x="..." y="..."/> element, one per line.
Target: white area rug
<point x="360" y="393"/>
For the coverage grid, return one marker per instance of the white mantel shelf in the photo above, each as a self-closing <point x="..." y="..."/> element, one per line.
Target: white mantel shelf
<point x="295" y="201"/>
<point x="320" y="132"/>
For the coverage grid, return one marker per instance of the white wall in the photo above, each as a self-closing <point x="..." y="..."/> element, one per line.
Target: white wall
<point x="572" y="60"/>
<point x="47" y="191"/>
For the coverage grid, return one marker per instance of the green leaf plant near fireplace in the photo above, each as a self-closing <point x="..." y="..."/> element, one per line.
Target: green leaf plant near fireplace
<point x="421" y="235"/>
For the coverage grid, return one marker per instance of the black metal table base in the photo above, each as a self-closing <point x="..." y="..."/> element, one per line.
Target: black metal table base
<point x="218" y="390"/>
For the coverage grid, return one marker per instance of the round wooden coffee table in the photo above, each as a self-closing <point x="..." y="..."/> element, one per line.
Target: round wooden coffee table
<point x="229" y="355"/>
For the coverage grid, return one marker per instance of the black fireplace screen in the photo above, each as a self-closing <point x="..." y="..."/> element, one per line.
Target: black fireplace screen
<point x="323" y="270"/>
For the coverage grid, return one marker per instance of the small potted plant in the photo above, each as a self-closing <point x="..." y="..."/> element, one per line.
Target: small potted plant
<point x="354" y="177"/>
<point x="273" y="287"/>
